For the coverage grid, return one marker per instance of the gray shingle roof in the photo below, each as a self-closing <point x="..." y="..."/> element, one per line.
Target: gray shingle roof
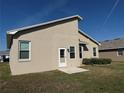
<point x="112" y="44"/>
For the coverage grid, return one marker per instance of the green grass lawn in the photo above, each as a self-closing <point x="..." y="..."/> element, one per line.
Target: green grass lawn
<point x="100" y="79"/>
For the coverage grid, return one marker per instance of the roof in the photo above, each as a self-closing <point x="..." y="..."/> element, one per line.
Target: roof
<point x="42" y="24"/>
<point x="13" y="32"/>
<point x="112" y="44"/>
<point x="6" y="52"/>
<point x="86" y="35"/>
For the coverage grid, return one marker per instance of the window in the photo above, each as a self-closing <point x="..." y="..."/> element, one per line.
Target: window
<point x="62" y="53"/>
<point x="24" y="50"/>
<point x="120" y="52"/>
<point x="72" y="52"/>
<point x="94" y="51"/>
<point x="80" y="51"/>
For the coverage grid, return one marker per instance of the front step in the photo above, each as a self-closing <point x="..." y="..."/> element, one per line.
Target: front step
<point x="71" y="70"/>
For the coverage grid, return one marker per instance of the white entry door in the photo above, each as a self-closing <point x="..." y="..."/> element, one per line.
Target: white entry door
<point x="62" y="57"/>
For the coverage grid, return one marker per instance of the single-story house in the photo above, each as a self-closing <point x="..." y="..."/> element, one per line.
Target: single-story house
<point x="4" y="56"/>
<point x="113" y="49"/>
<point x="49" y="46"/>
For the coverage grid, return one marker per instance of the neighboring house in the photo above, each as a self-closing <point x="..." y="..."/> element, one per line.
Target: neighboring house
<point x="113" y="49"/>
<point x="4" y="56"/>
<point x="49" y="46"/>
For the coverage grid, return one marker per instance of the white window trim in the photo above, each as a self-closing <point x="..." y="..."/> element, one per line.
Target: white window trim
<point x="93" y="52"/>
<point x="29" y="59"/>
<point x="118" y="53"/>
<point x="82" y="52"/>
<point x="75" y="52"/>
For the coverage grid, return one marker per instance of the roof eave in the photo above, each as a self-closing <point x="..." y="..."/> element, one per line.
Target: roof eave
<point x="111" y="48"/>
<point x="13" y="32"/>
<point x="90" y="37"/>
<point x="41" y="24"/>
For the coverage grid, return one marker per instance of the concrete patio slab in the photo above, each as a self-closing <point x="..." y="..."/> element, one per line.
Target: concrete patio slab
<point x="71" y="70"/>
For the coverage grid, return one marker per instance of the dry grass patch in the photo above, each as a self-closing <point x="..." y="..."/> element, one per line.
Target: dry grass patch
<point x="100" y="79"/>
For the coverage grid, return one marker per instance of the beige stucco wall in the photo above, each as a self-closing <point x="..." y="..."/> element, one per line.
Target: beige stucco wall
<point x="44" y="48"/>
<point x="90" y="45"/>
<point x="112" y="55"/>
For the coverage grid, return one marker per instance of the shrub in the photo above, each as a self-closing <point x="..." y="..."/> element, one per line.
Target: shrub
<point x="92" y="61"/>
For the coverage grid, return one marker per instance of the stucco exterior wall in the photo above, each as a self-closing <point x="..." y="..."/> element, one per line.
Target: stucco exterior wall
<point x="112" y="55"/>
<point x="45" y="42"/>
<point x="44" y="48"/>
<point x="90" y="45"/>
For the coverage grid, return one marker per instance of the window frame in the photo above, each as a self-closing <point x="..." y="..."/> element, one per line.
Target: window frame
<point x="81" y="52"/>
<point x="119" y="51"/>
<point x="95" y="52"/>
<point x="28" y="59"/>
<point x="74" y="52"/>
